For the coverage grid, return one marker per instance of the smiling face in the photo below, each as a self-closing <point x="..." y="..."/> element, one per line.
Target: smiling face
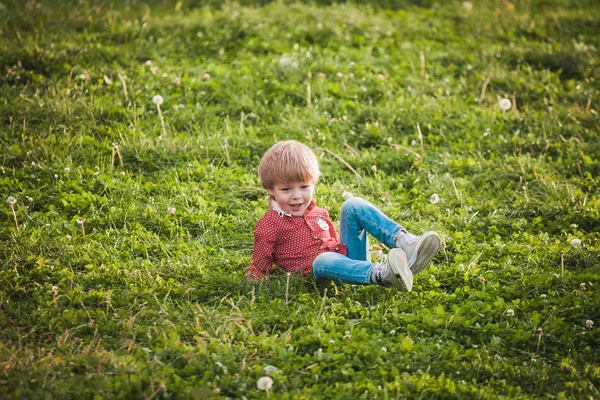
<point x="293" y="198"/>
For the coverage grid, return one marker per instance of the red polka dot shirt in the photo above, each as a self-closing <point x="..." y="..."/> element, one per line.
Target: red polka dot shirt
<point x="292" y="243"/>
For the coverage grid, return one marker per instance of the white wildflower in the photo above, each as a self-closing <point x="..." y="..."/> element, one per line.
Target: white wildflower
<point x="67" y="170"/>
<point x="576" y="242"/>
<point x="505" y="104"/>
<point x="393" y="332"/>
<point x="220" y="365"/>
<point x="171" y="210"/>
<point x="434" y="199"/>
<point x="589" y="323"/>
<point x="347" y="195"/>
<point x="148" y="62"/>
<point x="11" y="200"/>
<point x="286" y="61"/>
<point x="178" y="81"/>
<point x="80" y="220"/>
<point x="158" y="99"/>
<point x="269" y="369"/>
<point x="384" y="349"/>
<point x="510" y="312"/>
<point x="265" y="383"/>
<point x="206" y="76"/>
<point x="582" y="286"/>
<point x="467" y="6"/>
<point x="54" y="290"/>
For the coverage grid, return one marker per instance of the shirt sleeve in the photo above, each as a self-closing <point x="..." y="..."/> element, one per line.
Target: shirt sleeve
<point x="264" y="247"/>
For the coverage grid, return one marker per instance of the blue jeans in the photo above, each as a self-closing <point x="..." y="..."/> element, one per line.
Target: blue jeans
<point x="357" y="218"/>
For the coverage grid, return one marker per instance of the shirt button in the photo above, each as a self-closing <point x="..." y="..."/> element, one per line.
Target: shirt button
<point x="316" y="237"/>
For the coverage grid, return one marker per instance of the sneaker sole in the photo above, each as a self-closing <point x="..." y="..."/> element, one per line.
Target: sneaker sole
<point x="426" y="248"/>
<point x="399" y="265"/>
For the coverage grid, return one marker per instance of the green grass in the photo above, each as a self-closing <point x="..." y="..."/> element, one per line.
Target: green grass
<point x="153" y="304"/>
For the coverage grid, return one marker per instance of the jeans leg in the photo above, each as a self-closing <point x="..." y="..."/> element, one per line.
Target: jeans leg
<point x="341" y="269"/>
<point x="357" y="216"/>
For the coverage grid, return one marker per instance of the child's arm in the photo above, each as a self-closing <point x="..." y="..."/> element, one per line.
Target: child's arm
<point x="262" y="255"/>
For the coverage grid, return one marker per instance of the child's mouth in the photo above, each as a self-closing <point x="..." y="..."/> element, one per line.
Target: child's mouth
<point x="296" y="207"/>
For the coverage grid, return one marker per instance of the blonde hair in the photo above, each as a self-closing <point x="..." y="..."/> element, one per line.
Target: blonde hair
<point x="287" y="162"/>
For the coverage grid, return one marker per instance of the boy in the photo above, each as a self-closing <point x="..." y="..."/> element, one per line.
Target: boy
<point x="296" y="235"/>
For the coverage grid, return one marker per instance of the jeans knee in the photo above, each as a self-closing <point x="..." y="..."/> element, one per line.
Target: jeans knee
<point x="321" y="261"/>
<point x="351" y="204"/>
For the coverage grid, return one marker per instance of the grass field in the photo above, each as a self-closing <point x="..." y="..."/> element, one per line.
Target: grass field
<point x="126" y="226"/>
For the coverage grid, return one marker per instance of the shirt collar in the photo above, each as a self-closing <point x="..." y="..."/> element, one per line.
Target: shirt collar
<point x="277" y="208"/>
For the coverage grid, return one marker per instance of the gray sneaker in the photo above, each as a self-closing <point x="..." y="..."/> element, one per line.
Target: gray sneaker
<point x="394" y="271"/>
<point x="420" y="250"/>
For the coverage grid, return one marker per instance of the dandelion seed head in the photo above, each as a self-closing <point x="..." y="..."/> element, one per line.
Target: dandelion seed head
<point x="467" y="6"/>
<point x="171" y="210"/>
<point x="434" y="199"/>
<point x="80" y="220"/>
<point x="206" y="76"/>
<point x="177" y="81"/>
<point x="11" y="200"/>
<point x="67" y="170"/>
<point x="576" y="242"/>
<point x="265" y="383"/>
<point x="158" y="99"/>
<point x="510" y="312"/>
<point x="589" y="323"/>
<point x="505" y="104"/>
